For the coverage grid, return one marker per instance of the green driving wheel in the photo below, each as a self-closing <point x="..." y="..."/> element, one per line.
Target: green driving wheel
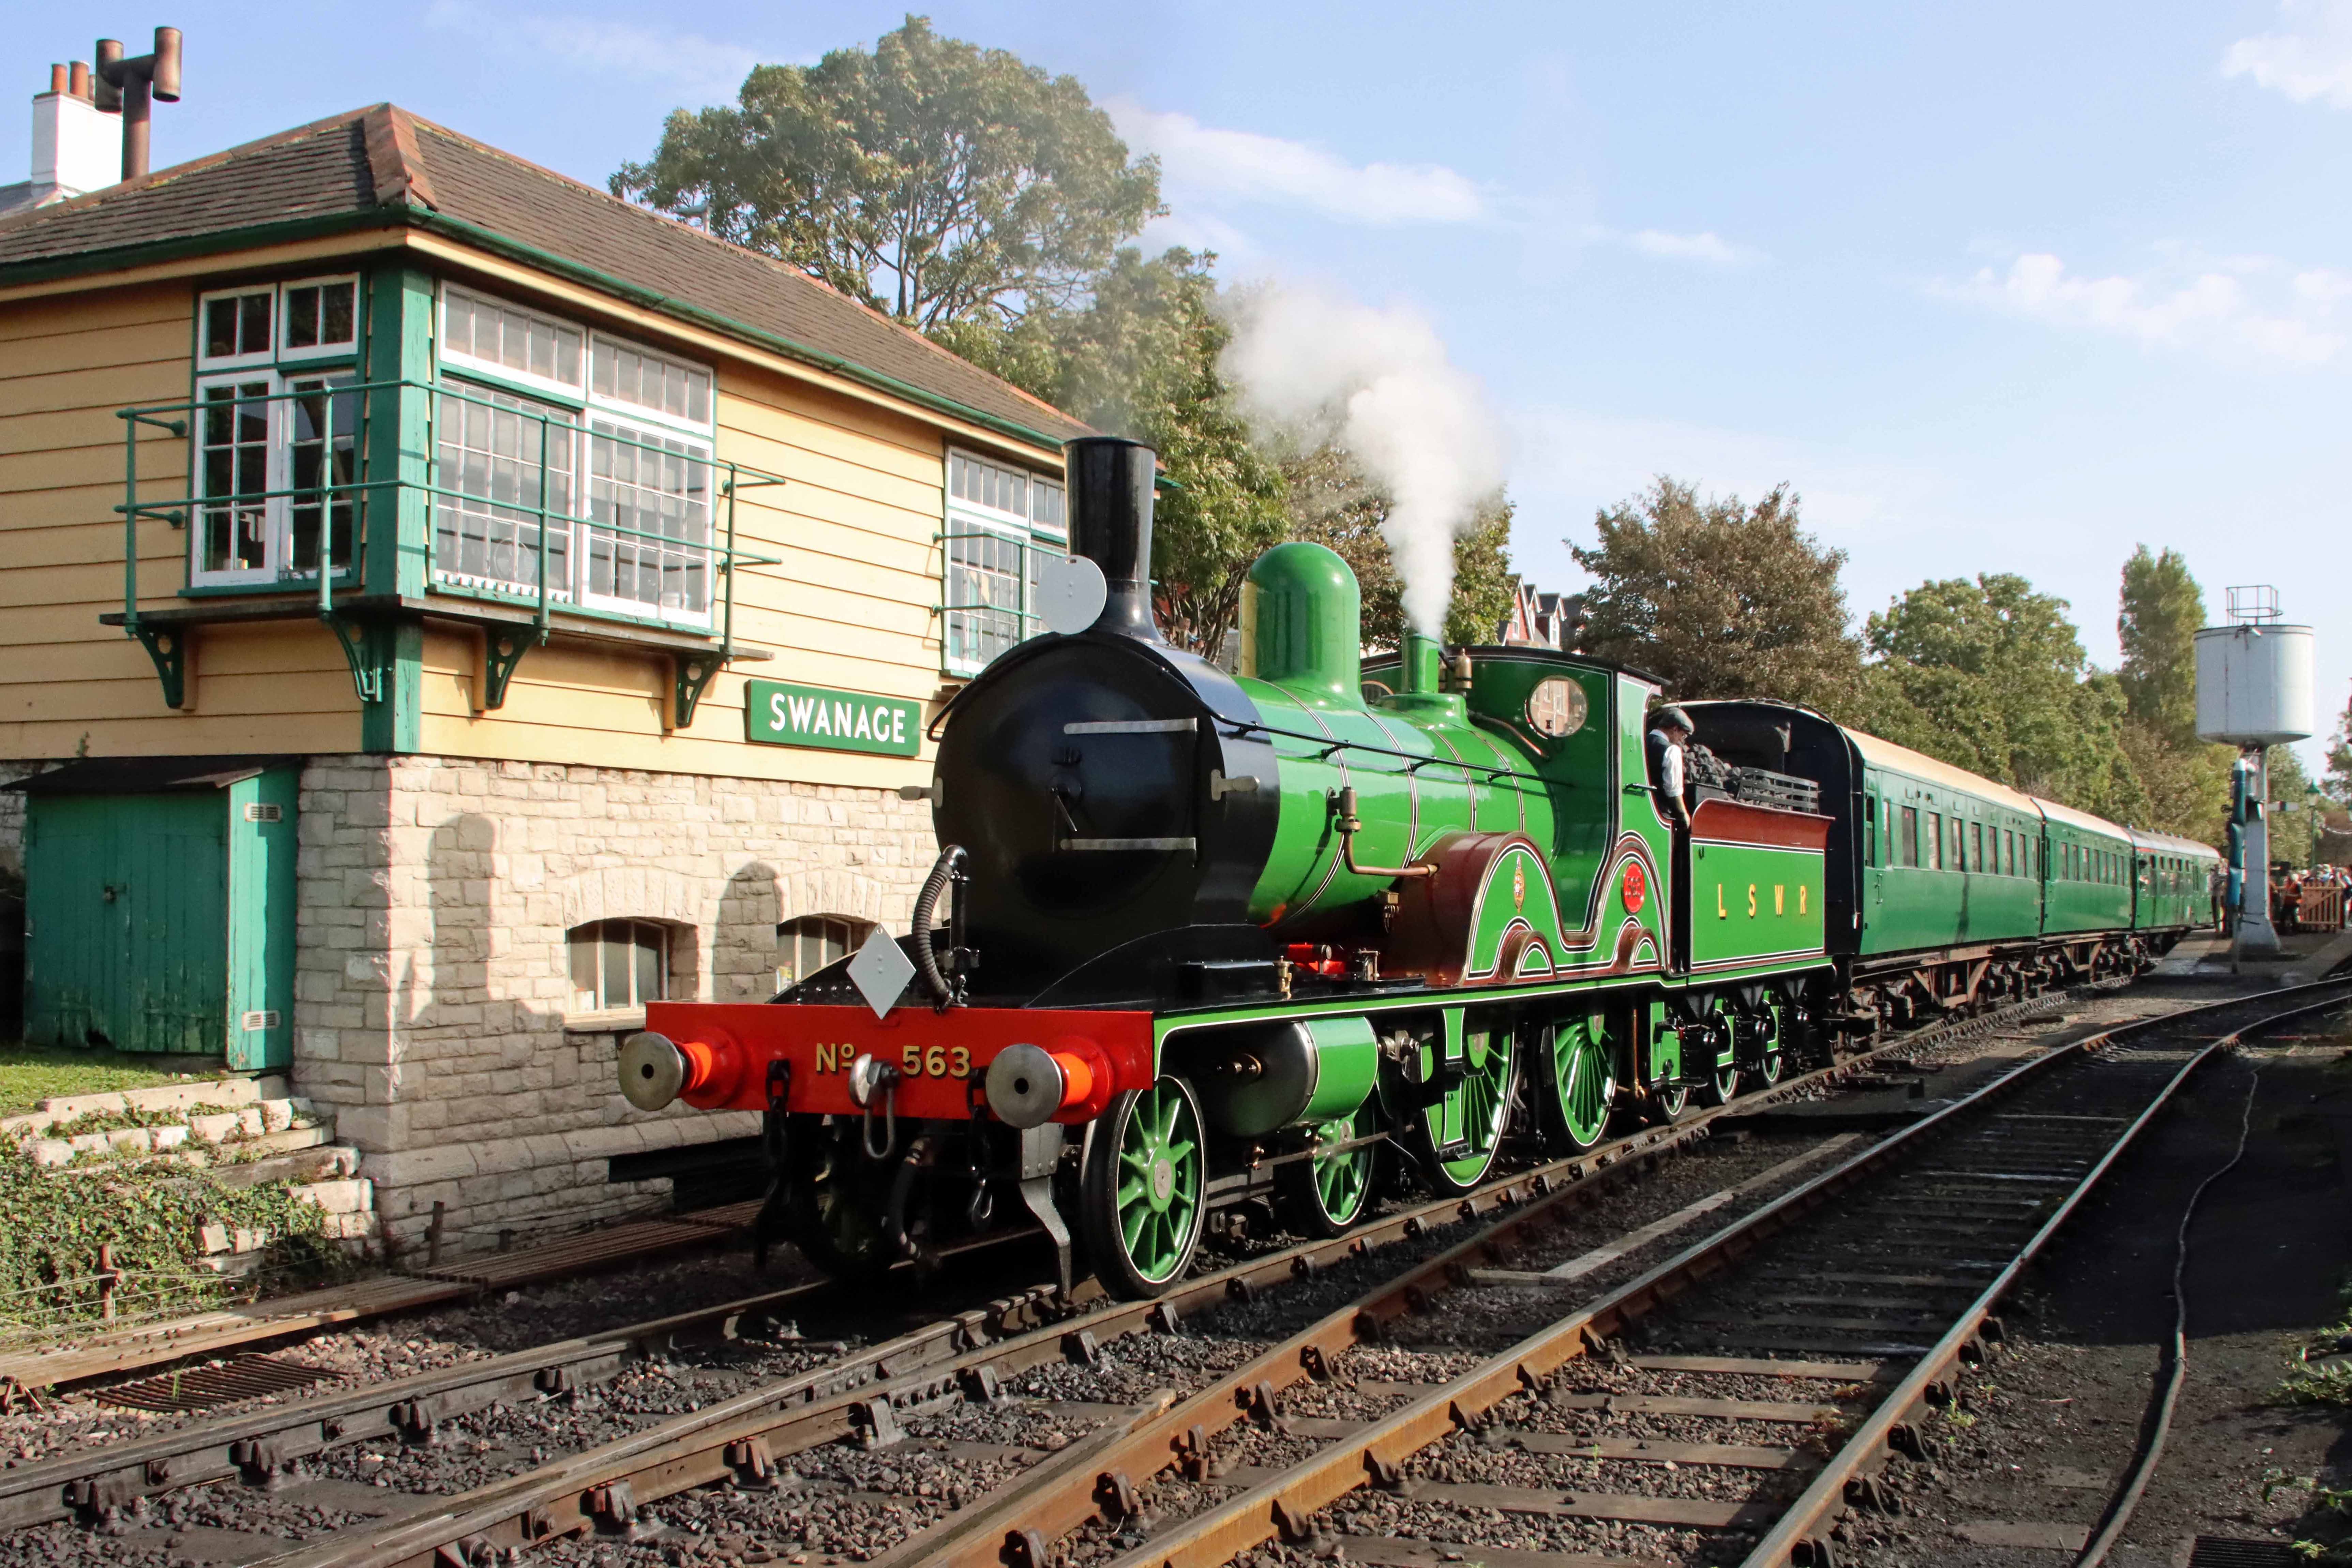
<point x="1325" y="1193"/>
<point x="1582" y="1078"/>
<point x="1143" y="1194"/>
<point x="1722" y="1080"/>
<point x="1460" y="1133"/>
<point x="1771" y="1057"/>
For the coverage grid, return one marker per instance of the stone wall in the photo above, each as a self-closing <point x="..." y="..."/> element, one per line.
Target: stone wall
<point x="12" y="819"/>
<point x="432" y="983"/>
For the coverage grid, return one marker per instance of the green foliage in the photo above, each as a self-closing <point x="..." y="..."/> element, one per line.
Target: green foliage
<point x="52" y="1224"/>
<point x="2294" y="828"/>
<point x="1720" y="599"/>
<point x="931" y="178"/>
<point x="31" y="1074"/>
<point x="2157" y="621"/>
<point x="2337" y="784"/>
<point x="1334" y="503"/>
<point x="1139" y="359"/>
<point x="1989" y="675"/>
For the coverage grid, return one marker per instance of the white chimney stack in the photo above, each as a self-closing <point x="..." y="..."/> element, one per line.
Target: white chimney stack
<point x="76" y="148"/>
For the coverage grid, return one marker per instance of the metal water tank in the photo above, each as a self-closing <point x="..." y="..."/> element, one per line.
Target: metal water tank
<point x="2254" y="683"/>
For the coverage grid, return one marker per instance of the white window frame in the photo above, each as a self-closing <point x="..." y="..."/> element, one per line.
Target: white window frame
<point x="448" y="359"/>
<point x="560" y="590"/>
<point x="666" y="935"/>
<point x="347" y="349"/>
<point x="589" y="533"/>
<point x="625" y="409"/>
<point x="277" y="464"/>
<point x="962" y="517"/>
<point x="208" y="364"/>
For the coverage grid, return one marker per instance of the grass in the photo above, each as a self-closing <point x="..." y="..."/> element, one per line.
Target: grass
<point x="30" y="1073"/>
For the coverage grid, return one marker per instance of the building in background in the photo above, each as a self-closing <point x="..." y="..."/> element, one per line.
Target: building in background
<point x="77" y="148"/>
<point x="448" y="607"/>
<point x="1542" y="620"/>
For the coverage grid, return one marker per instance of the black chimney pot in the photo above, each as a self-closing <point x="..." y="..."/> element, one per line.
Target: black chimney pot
<point x="1111" y="487"/>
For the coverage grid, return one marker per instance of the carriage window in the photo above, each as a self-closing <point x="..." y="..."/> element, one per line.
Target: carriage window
<point x="1557" y="707"/>
<point x="1976" y="846"/>
<point x="1935" y="841"/>
<point x="1906" y="843"/>
<point x="1870" y="830"/>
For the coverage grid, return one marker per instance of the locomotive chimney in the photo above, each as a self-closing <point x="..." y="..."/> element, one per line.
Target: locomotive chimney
<point x="1110" y="483"/>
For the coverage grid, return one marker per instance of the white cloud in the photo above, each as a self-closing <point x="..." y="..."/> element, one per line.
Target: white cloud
<point x="1706" y="245"/>
<point x="2243" y="307"/>
<point x="1244" y="164"/>
<point x="701" y="69"/>
<point x="2310" y="57"/>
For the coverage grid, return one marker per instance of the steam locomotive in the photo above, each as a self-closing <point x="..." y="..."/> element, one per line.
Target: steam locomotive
<point x="1293" y="935"/>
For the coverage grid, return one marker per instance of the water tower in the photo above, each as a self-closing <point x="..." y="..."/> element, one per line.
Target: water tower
<point x="2253" y="691"/>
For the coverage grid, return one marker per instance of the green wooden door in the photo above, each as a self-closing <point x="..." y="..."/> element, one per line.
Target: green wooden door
<point x="126" y="944"/>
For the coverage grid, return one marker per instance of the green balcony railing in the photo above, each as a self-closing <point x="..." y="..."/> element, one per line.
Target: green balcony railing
<point x="289" y="473"/>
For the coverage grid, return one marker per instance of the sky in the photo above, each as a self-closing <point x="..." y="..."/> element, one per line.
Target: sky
<point x="1995" y="287"/>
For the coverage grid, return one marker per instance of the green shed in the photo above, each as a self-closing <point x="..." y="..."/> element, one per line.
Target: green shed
<point x="159" y="906"/>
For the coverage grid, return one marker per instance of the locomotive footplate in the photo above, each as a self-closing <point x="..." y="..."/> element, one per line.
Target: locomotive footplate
<point x="727" y="1056"/>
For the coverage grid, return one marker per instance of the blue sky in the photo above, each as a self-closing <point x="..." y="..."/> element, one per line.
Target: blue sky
<point x="1996" y="288"/>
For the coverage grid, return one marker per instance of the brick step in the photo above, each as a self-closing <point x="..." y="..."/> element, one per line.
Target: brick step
<point x="273" y="1126"/>
<point x="227" y="1091"/>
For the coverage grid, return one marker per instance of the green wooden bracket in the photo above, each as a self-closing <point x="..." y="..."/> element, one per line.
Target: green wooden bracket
<point x="168" y="647"/>
<point x="367" y="671"/>
<point x="501" y="651"/>
<point x="694" y="673"/>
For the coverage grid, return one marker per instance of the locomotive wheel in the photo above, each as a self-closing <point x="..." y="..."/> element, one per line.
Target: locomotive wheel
<point x="1722" y="1081"/>
<point x="1467" y="1122"/>
<point x="1582" y="1078"/>
<point x="1143" y="1196"/>
<point x="1665" y="1105"/>
<point x="1772" y="1058"/>
<point x="1324" y="1194"/>
<point x="840" y="1200"/>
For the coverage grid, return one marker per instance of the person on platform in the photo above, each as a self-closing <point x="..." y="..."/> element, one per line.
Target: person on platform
<point x="1668" y="746"/>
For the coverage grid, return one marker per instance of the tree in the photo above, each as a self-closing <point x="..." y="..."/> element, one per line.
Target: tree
<point x="1334" y="503"/>
<point x="2337" y="784"/>
<point x="2161" y="610"/>
<point x="1139" y="359"/>
<point x="1720" y="599"/>
<point x="931" y="179"/>
<point x="1990" y="676"/>
<point x="2295" y="821"/>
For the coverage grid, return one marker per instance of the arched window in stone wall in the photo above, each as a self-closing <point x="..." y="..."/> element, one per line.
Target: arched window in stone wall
<point x="619" y="963"/>
<point x="808" y="943"/>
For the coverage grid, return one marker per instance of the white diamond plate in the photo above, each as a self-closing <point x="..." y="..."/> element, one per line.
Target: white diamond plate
<point x="880" y="972"/>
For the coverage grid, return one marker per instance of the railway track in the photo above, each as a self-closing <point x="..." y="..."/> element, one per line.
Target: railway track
<point x="798" y="1399"/>
<point x="1728" y="1404"/>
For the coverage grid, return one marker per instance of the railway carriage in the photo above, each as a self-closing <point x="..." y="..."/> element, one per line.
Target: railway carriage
<point x="1199" y="940"/>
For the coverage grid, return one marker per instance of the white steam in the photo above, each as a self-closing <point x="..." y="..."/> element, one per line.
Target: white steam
<point x="1316" y="368"/>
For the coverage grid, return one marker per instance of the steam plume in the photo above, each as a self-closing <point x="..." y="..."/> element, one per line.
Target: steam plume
<point x="1316" y="368"/>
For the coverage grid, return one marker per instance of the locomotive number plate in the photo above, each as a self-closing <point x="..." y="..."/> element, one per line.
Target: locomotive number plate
<point x="915" y="1061"/>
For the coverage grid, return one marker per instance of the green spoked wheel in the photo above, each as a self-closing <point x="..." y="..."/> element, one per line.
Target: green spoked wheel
<point x="1325" y="1193"/>
<point x="1460" y="1133"/>
<point x="1722" y="1080"/>
<point x="1663" y="1105"/>
<point x="1144" y="1191"/>
<point x="1771" y="1058"/>
<point x="1582" y="1081"/>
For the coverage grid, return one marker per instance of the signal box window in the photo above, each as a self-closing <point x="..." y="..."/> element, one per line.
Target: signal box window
<point x="1000" y="523"/>
<point x="618" y="963"/>
<point x="319" y="317"/>
<point x="807" y="944"/>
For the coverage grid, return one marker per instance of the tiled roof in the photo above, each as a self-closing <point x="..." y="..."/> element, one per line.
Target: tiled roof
<point x="384" y="164"/>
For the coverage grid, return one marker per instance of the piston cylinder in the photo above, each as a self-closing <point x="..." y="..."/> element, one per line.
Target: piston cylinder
<point x="1308" y="1070"/>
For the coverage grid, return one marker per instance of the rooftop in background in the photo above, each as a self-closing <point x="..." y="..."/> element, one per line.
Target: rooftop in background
<point x="382" y="167"/>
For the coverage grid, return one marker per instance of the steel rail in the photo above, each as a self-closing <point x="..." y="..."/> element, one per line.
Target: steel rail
<point x="256" y="1445"/>
<point x="1282" y="1507"/>
<point x="744" y="1436"/>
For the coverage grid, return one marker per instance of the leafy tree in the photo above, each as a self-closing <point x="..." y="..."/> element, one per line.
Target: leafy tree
<point x="2337" y="784"/>
<point x="931" y="178"/>
<point x="1334" y="503"/>
<point x="1141" y="359"/>
<point x="2162" y="608"/>
<point x="1989" y="675"/>
<point x="1720" y="599"/>
<point x="2294" y="822"/>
